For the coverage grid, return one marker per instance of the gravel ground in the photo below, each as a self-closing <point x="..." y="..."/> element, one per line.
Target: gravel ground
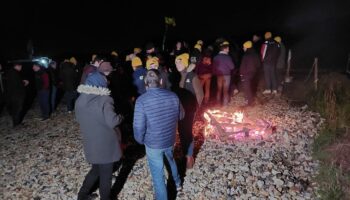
<point x="44" y="160"/>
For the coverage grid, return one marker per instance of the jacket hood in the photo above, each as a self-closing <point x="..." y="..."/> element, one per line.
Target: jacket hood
<point x="88" y="89"/>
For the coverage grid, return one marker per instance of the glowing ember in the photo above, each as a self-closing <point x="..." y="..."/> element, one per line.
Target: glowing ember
<point x="235" y="126"/>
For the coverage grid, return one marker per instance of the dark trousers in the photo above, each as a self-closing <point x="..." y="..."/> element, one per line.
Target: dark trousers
<point x="44" y="102"/>
<point x="270" y="76"/>
<point x="15" y="108"/>
<point x="101" y="173"/>
<point x="185" y="131"/>
<point x="70" y="97"/>
<point x="247" y="83"/>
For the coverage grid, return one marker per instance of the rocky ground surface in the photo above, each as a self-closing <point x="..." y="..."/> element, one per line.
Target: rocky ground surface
<point x="44" y="160"/>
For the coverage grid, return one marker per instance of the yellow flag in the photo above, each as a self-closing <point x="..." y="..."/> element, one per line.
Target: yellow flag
<point x="170" y="21"/>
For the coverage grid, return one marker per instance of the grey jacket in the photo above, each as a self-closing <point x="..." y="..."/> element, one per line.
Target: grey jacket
<point x="94" y="111"/>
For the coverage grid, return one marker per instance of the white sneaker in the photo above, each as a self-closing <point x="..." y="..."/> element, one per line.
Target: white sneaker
<point x="266" y="92"/>
<point x="274" y="92"/>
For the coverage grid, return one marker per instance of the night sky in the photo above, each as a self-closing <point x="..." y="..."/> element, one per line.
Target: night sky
<point x="310" y="28"/>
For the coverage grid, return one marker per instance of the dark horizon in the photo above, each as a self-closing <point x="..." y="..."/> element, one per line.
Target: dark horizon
<point x="310" y="29"/>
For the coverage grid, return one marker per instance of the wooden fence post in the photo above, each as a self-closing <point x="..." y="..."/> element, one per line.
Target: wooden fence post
<point x="288" y="78"/>
<point x="316" y="72"/>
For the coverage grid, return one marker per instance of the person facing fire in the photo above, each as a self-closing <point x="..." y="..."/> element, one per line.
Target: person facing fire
<point x="15" y="93"/>
<point x="270" y="51"/>
<point x="42" y="84"/>
<point x="222" y="68"/>
<point x="190" y="93"/>
<point x="249" y="65"/>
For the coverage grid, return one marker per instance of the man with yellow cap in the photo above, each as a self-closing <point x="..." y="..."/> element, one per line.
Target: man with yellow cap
<point x="190" y="93"/>
<point x="138" y="75"/>
<point x="249" y="65"/>
<point x="270" y="51"/>
<point x="222" y="68"/>
<point x="281" y="63"/>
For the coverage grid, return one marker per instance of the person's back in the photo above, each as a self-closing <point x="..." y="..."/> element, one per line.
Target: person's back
<point x="161" y="111"/>
<point x="155" y="118"/>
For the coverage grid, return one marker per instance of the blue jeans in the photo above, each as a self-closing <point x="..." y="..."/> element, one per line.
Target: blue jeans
<point x="156" y="164"/>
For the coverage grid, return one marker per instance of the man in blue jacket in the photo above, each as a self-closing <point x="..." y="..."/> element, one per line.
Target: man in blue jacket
<point x="156" y="114"/>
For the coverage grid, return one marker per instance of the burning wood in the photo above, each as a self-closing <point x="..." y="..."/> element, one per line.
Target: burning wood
<point x="224" y="126"/>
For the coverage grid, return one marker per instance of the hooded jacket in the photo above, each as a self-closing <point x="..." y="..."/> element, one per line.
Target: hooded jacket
<point x="94" y="111"/>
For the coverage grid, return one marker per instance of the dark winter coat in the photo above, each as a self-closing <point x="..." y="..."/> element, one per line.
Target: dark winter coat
<point x="95" y="114"/>
<point x="202" y="68"/>
<point x="138" y="81"/>
<point x="68" y="76"/>
<point x="15" y="88"/>
<point x="270" y="51"/>
<point x="222" y="65"/>
<point x="42" y="81"/>
<point x="250" y="63"/>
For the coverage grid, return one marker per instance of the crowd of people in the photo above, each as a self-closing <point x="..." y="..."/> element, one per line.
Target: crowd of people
<point x="158" y="93"/>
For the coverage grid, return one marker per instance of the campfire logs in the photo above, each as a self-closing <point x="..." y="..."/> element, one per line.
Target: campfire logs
<point x="233" y="126"/>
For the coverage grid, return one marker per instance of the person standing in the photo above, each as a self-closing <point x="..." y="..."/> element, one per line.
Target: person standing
<point x="42" y="83"/>
<point x="270" y="51"/>
<point x="15" y="93"/>
<point x="190" y="92"/>
<point x="98" y="123"/>
<point x="53" y="74"/>
<point x="204" y="72"/>
<point x="223" y="66"/>
<point x="69" y="76"/>
<point x="249" y="66"/>
<point x="155" y="118"/>
<point x="281" y="63"/>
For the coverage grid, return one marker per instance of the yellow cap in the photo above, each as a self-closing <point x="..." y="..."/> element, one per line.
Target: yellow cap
<point x="248" y="44"/>
<point x="268" y="35"/>
<point x="152" y="63"/>
<point x="198" y="46"/>
<point x="136" y="61"/>
<point x="183" y="58"/>
<point x="225" y="43"/>
<point x="137" y="50"/>
<point x="278" y="39"/>
<point x="200" y="42"/>
<point x="73" y="60"/>
<point x="114" y="53"/>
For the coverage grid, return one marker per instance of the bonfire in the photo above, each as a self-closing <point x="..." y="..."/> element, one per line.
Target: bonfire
<point x="234" y="126"/>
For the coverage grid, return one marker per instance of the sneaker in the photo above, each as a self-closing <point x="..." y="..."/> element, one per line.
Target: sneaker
<point x="274" y="92"/>
<point x="235" y="91"/>
<point x="179" y="188"/>
<point x="266" y="92"/>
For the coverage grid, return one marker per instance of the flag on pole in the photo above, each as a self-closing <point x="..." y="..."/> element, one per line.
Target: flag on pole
<point x="170" y="21"/>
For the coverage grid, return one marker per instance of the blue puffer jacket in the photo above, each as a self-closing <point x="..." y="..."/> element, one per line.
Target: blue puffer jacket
<point x="222" y="64"/>
<point x="156" y="114"/>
